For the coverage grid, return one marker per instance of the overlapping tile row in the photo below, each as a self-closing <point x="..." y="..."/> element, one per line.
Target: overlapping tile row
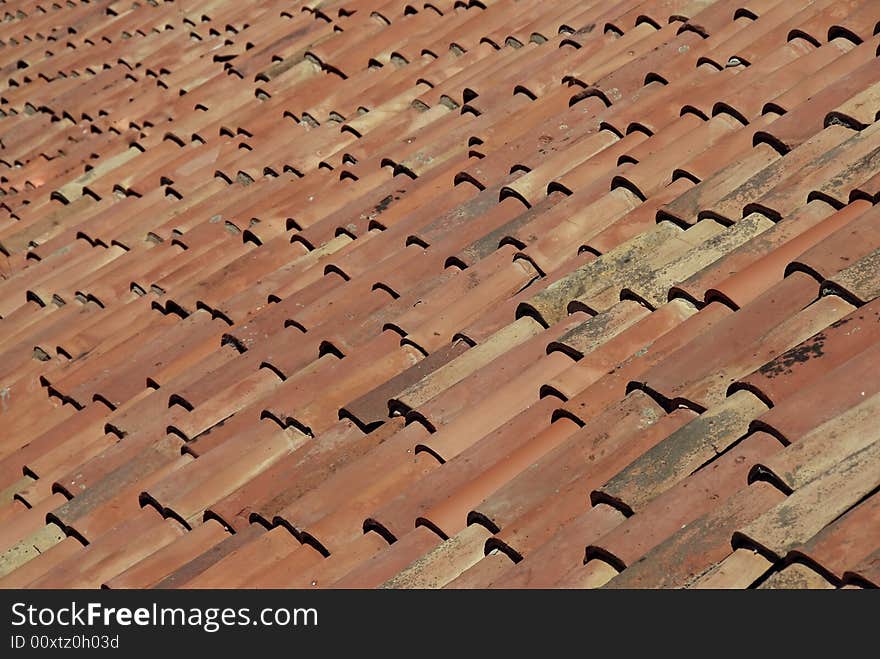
<point x="443" y="294"/>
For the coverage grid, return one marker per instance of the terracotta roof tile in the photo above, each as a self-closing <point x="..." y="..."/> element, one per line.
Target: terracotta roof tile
<point x="813" y="452"/>
<point x="749" y="270"/>
<point x="663" y="516"/>
<point x="865" y="573"/>
<point x="796" y="368"/>
<point x="439" y="295"/>
<point x="822" y="400"/>
<point x="796" y="576"/>
<point x="528" y="522"/>
<point x="841" y="545"/>
<point x="695" y="549"/>
<point x="841" y="487"/>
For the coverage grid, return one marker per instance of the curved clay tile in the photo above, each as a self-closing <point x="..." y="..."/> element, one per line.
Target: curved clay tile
<point x="441" y="295"/>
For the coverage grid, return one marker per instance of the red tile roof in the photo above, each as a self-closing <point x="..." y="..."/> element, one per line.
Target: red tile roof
<point x="449" y="294"/>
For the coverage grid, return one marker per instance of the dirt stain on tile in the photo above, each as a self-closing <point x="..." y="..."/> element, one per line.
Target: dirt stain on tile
<point x="808" y="350"/>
